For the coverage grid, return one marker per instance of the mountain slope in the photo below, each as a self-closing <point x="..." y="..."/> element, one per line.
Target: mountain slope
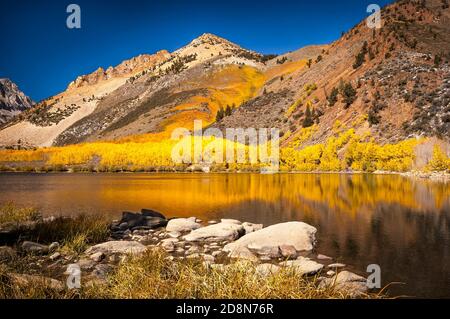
<point x="399" y="77"/>
<point x="12" y="101"/>
<point x="148" y="94"/>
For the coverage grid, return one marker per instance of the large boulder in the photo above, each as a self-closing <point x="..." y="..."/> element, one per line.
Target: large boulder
<point x="117" y="247"/>
<point x="267" y="241"/>
<point x="182" y="225"/>
<point x="217" y="232"/>
<point x="347" y="283"/>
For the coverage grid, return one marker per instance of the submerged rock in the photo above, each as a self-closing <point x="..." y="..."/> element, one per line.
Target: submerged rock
<point x="297" y="234"/>
<point x="323" y="257"/>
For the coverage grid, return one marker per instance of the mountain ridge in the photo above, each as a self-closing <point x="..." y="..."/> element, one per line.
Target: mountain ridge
<point x="391" y="83"/>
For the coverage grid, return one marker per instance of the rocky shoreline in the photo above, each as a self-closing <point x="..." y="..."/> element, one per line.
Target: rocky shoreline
<point x="217" y="244"/>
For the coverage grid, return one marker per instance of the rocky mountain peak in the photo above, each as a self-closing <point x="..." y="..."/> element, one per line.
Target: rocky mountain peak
<point x="12" y="100"/>
<point x="127" y="68"/>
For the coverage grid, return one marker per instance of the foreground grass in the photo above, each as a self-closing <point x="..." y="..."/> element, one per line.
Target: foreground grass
<point x="152" y="276"/>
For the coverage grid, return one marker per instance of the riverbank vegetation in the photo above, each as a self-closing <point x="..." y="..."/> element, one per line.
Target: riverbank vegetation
<point x="38" y="272"/>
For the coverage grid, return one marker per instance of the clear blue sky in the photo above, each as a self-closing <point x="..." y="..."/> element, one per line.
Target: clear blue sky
<point x="42" y="55"/>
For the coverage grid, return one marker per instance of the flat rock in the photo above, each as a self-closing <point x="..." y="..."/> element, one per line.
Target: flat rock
<point x="86" y="264"/>
<point x="304" y="266"/>
<point x="216" y="232"/>
<point x="323" y="257"/>
<point x="33" y="280"/>
<point x="297" y="234"/>
<point x="336" y="266"/>
<point x="182" y="225"/>
<point x="117" y="247"/>
<point x="243" y="253"/>
<point x="347" y="283"/>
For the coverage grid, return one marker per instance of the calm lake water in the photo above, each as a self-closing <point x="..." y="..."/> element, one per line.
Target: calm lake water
<point x="400" y="224"/>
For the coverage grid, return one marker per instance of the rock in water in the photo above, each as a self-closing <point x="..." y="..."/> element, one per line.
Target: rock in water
<point x="135" y="221"/>
<point x="297" y="234"/>
<point x="117" y="247"/>
<point x="336" y="266"/>
<point x="217" y="232"/>
<point x="182" y="225"/>
<point x="152" y="213"/>
<point x="304" y="266"/>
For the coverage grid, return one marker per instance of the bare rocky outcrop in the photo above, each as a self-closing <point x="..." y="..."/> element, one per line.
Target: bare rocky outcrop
<point x="12" y="101"/>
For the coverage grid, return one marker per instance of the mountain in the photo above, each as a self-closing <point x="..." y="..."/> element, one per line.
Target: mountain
<point x="392" y="83"/>
<point x="12" y="101"/>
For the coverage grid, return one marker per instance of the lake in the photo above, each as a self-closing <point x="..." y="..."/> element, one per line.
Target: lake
<point x="401" y="224"/>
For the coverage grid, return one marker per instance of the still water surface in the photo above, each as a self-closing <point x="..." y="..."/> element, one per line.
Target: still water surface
<point x="401" y="224"/>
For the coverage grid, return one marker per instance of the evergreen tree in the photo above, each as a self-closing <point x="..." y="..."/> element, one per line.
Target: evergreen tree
<point x="220" y="114"/>
<point x="228" y="110"/>
<point x="348" y="94"/>
<point x="332" y="99"/>
<point x="308" y="120"/>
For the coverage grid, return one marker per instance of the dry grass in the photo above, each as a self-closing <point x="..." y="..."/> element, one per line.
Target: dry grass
<point x="153" y="276"/>
<point x="10" y="213"/>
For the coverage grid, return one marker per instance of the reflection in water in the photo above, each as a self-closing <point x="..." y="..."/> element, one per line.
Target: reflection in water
<point x="400" y="224"/>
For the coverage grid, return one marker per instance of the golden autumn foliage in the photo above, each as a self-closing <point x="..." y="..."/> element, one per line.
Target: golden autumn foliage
<point x="347" y="150"/>
<point x="344" y="150"/>
<point x="440" y="161"/>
